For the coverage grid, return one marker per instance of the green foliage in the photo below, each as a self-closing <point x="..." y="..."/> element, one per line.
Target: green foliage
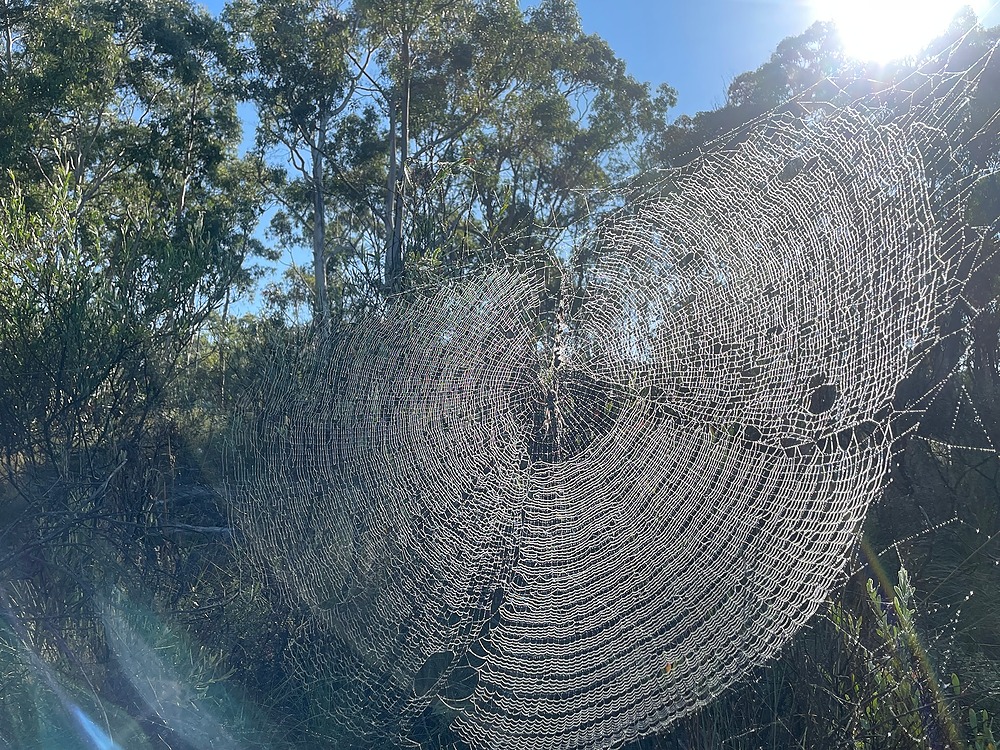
<point x="495" y="119"/>
<point x="131" y="108"/>
<point x="863" y="676"/>
<point x="125" y="219"/>
<point x="980" y="724"/>
<point x="896" y="696"/>
<point x="94" y="321"/>
<point x="94" y="327"/>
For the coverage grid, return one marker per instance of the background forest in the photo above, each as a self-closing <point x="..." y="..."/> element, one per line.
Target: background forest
<point x="395" y="144"/>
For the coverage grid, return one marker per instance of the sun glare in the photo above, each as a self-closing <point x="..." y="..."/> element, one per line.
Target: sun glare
<point x="884" y="30"/>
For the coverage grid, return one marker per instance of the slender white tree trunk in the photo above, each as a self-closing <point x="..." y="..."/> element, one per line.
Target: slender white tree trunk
<point x="321" y="305"/>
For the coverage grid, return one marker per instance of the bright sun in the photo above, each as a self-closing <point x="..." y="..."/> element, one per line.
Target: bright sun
<point x="884" y="30"/>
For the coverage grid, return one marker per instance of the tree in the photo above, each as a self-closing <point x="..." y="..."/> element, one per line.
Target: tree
<point x="505" y="119"/>
<point x="297" y="73"/>
<point x="131" y="102"/>
<point x="125" y="219"/>
<point x="454" y="124"/>
<point x="811" y="64"/>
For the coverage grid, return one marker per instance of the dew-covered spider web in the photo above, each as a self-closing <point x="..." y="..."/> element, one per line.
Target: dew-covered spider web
<point x="564" y="506"/>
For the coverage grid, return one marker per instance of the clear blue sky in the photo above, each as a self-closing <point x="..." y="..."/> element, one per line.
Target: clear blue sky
<point x="697" y="46"/>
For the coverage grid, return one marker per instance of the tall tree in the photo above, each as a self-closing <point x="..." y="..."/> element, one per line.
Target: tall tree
<point x="298" y="74"/>
<point x="125" y="110"/>
<point x="454" y="122"/>
<point x="133" y="98"/>
<point x="499" y="119"/>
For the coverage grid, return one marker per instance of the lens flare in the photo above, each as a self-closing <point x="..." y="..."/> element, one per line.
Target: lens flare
<point x="97" y="736"/>
<point x="885" y="30"/>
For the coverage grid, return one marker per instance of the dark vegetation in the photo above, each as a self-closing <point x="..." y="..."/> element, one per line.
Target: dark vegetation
<point x="400" y="143"/>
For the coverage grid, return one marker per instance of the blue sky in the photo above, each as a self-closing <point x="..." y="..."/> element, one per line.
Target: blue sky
<point x="697" y="46"/>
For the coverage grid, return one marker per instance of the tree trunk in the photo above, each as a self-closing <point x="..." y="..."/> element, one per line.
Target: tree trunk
<point x="397" y="174"/>
<point x="392" y="262"/>
<point x="320" y="309"/>
<point x="9" y="44"/>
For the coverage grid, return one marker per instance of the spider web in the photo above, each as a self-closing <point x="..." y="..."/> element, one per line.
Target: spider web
<point x="563" y="506"/>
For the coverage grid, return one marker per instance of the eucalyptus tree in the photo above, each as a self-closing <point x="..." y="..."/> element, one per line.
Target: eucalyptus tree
<point x="500" y="121"/>
<point x="298" y="73"/>
<point x="120" y="130"/>
<point x="520" y="116"/>
<point x="446" y="126"/>
<point x="134" y="100"/>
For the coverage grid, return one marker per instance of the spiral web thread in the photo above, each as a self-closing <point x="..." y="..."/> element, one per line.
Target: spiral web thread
<point x="543" y="509"/>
